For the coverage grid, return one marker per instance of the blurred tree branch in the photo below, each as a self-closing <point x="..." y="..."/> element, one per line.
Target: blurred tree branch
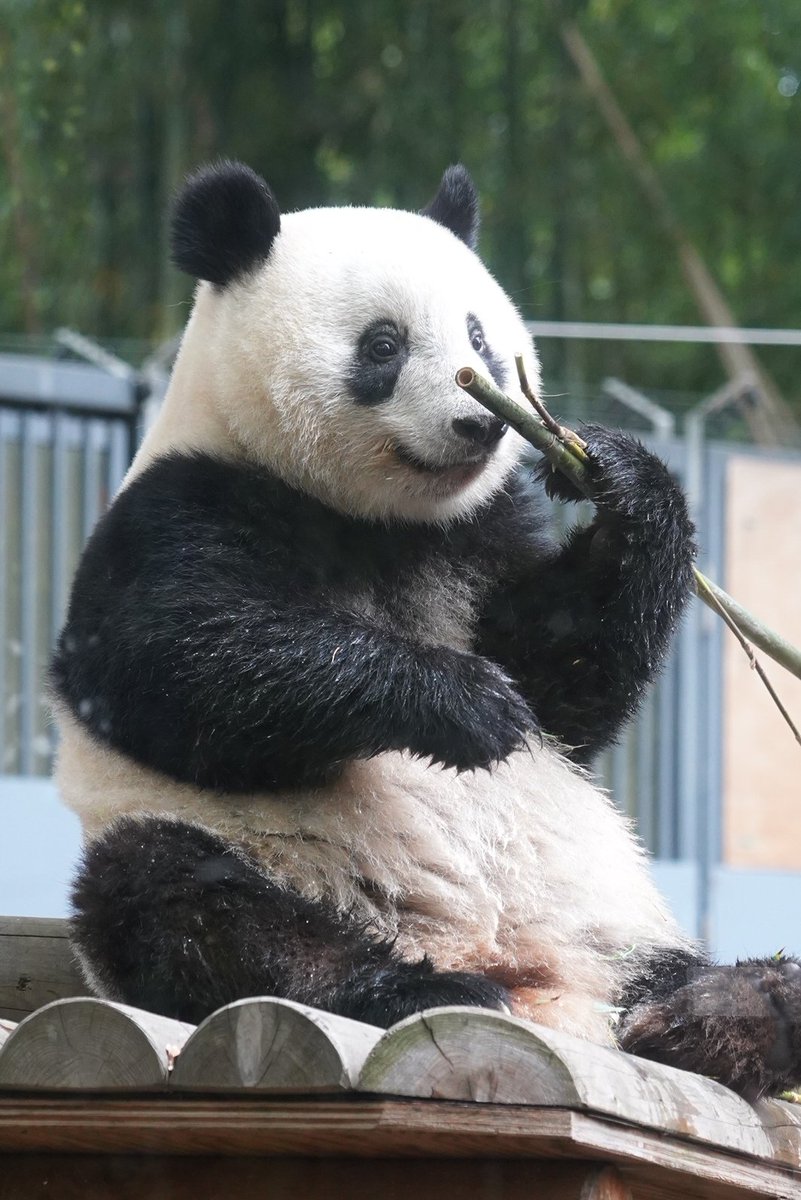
<point x="771" y="421"/>
<point x="10" y="135"/>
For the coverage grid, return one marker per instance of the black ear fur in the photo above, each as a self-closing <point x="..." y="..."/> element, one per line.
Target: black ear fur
<point x="456" y="205"/>
<point x="224" y="222"/>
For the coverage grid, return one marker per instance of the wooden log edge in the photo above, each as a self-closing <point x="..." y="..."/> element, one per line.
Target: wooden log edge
<point x="268" y="1044"/>
<point x="86" y="1044"/>
<point x="488" y="1057"/>
<point x="37" y="965"/>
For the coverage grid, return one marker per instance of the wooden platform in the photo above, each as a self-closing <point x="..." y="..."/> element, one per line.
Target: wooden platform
<point x="271" y="1099"/>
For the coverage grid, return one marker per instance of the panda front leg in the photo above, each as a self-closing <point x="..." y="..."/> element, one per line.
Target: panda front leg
<point x="172" y="918"/>
<point x="738" y="1024"/>
<point x="585" y="629"/>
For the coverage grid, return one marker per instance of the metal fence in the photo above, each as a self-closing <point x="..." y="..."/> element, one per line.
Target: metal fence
<point x="67" y="433"/>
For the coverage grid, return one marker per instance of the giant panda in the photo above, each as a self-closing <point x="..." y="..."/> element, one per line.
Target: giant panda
<point x="327" y="691"/>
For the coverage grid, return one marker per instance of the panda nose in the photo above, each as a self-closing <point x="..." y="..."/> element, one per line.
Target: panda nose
<point x="485" y="431"/>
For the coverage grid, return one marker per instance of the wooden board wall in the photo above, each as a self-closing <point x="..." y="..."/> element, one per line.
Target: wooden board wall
<point x="762" y="762"/>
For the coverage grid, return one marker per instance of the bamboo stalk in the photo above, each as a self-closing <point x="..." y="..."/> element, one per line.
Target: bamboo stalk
<point x="773" y="644"/>
<point x="708" y="596"/>
<point x="564" y="458"/>
<point x="527" y="425"/>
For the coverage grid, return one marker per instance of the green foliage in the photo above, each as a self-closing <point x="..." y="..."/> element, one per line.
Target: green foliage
<point x="103" y="108"/>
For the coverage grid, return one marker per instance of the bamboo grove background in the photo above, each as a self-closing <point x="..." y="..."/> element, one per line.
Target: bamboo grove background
<point x="103" y="107"/>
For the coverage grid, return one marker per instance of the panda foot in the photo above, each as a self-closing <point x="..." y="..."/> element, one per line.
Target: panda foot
<point x="740" y="1025"/>
<point x="392" y="992"/>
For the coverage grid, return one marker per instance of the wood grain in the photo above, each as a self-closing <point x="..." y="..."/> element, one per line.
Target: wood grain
<point x="36" y="965"/>
<point x="90" y="1044"/>
<point x="655" y="1165"/>
<point x="469" y="1054"/>
<point x="480" y="1086"/>
<point x="78" y="1177"/>
<point x="782" y="1123"/>
<point x="267" y="1044"/>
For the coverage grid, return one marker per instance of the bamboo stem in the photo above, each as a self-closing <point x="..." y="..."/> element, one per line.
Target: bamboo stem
<point x="773" y="644"/>
<point x="565" y="459"/>
<point x="771" y="420"/>
<point x="576" y="444"/>
<point x="527" y="425"/>
<point x="705" y="592"/>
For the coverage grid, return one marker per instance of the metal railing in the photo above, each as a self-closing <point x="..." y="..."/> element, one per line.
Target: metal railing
<point x="67" y="434"/>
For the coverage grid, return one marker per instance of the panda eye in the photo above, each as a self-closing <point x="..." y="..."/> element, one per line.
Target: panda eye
<point x="383" y="348"/>
<point x="475" y="333"/>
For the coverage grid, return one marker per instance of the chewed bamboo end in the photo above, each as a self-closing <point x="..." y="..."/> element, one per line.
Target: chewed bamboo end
<point x="465" y="377"/>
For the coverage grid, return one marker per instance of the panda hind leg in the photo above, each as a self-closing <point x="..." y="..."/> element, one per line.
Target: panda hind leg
<point x="172" y="918"/>
<point x="738" y="1024"/>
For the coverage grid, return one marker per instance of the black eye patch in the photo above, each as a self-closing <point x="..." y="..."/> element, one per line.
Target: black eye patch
<point x="380" y="353"/>
<point x="478" y="341"/>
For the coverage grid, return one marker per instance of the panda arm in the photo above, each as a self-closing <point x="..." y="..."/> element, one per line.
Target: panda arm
<point x="585" y="627"/>
<point x="201" y="651"/>
<point x="282" y="695"/>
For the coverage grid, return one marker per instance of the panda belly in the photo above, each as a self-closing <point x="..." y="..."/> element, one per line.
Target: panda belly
<point x="527" y="874"/>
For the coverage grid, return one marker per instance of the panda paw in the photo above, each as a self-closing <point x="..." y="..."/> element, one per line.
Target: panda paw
<point x="628" y="480"/>
<point x="740" y="1025"/>
<point x="480" y="719"/>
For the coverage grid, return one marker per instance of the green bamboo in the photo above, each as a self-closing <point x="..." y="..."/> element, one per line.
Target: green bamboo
<point x="529" y="426"/>
<point x="773" y="644"/>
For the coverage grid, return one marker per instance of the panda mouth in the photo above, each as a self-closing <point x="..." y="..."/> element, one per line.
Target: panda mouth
<point x="459" y="473"/>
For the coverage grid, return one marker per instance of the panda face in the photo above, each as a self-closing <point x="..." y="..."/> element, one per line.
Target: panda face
<point x="332" y="361"/>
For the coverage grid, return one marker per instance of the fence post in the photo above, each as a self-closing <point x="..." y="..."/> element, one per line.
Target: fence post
<point x="699" y="826"/>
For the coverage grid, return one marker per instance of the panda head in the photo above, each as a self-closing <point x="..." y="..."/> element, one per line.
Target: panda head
<point x="324" y="345"/>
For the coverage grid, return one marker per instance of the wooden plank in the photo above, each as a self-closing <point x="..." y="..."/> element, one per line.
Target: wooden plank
<point x="56" y="927"/>
<point x="36" y="965"/>
<point x="91" y="1044"/>
<point x="656" y="1165"/>
<point x="77" y="1177"/>
<point x="782" y="1123"/>
<point x="666" y="1167"/>
<point x="266" y="1044"/>
<point x="473" y="1054"/>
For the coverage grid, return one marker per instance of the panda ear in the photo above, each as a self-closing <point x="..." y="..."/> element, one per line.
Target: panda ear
<point x="456" y="205"/>
<point x="224" y="222"/>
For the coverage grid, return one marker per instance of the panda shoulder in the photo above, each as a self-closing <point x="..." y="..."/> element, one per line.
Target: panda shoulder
<point x="197" y="499"/>
<point x="205" y="483"/>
